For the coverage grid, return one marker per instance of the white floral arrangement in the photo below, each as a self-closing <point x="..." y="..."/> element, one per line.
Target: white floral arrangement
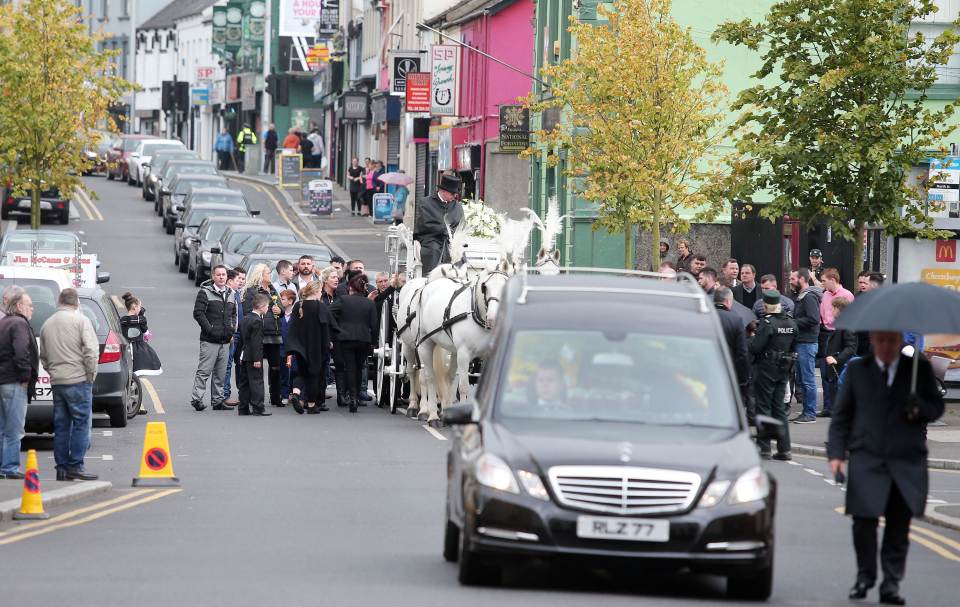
<point x="483" y="221"/>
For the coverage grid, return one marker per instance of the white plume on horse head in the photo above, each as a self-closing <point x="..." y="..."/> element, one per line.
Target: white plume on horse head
<point x="553" y="225"/>
<point x="458" y="243"/>
<point x="513" y="240"/>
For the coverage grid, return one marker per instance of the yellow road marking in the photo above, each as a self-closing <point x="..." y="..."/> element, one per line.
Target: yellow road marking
<point x="927" y="543"/>
<point x="157" y="405"/>
<point x="83" y="207"/>
<point x="97" y="515"/>
<point x="87" y="205"/>
<point x="280" y="209"/>
<point x="75" y="513"/>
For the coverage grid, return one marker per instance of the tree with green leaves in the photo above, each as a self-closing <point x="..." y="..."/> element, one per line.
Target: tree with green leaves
<point x="642" y="121"/>
<point x="840" y="117"/>
<point x="56" y="90"/>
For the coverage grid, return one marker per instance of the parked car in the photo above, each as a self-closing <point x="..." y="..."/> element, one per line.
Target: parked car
<point x="121" y="148"/>
<point x="208" y="236"/>
<point x="174" y="168"/>
<point x="116" y="391"/>
<point x="619" y="437"/>
<point x="293" y="250"/>
<point x="205" y="195"/>
<point x="144" y="153"/>
<point x="239" y="240"/>
<point x="44" y="286"/>
<point x="54" y="206"/>
<point x="189" y="224"/>
<point x="180" y="188"/>
<point x="251" y="259"/>
<point x="96" y="155"/>
<point x="158" y="162"/>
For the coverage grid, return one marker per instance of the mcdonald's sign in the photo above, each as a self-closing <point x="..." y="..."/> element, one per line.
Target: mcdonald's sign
<point x="946" y="251"/>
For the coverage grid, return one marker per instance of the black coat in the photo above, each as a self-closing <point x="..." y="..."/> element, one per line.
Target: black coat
<point x="310" y="334"/>
<point x="430" y="229"/>
<point x="807" y="315"/>
<point x="746" y="298"/>
<point x="841" y="345"/>
<point x="19" y="356"/>
<point x="270" y="141"/>
<point x="216" y="314"/>
<point x="870" y="427"/>
<point x="251" y="335"/>
<point x="271" y="323"/>
<point x="736" y="338"/>
<point x="357" y="318"/>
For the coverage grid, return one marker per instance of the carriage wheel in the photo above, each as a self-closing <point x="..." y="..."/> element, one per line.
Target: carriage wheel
<point x="382" y="354"/>
<point x="395" y="380"/>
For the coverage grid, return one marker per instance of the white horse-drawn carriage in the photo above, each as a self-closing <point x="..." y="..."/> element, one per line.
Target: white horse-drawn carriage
<point x="438" y="324"/>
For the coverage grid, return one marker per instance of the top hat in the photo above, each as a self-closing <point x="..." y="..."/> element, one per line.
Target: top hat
<point x="449" y="183"/>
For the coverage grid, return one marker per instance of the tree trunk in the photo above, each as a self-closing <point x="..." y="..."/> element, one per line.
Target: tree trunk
<point x="655" y="235"/>
<point x="628" y="245"/>
<point x="857" y="249"/>
<point x="35" y="208"/>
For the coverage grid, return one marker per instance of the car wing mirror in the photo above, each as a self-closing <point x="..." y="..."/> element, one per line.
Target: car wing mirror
<point x="215" y="250"/>
<point x="460" y="414"/>
<point x="254" y="213"/>
<point x="180" y="225"/>
<point x="132" y="332"/>
<point x="769" y="428"/>
<point x="103" y="277"/>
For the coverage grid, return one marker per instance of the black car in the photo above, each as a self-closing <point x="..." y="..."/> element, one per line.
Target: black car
<point x="216" y="195"/>
<point x="116" y="391"/>
<point x="174" y="168"/>
<point x="209" y="233"/>
<point x="609" y="429"/>
<point x="158" y="163"/>
<point x="54" y="206"/>
<point x="180" y="188"/>
<point x="239" y="240"/>
<point x="189" y="224"/>
<point x="293" y="251"/>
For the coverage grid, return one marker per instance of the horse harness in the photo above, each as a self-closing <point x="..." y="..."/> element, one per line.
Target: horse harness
<point x="448" y="320"/>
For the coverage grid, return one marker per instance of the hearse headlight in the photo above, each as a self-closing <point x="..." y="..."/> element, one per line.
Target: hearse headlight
<point x="714" y="493"/>
<point x="752" y="486"/>
<point x="493" y="472"/>
<point x="533" y="485"/>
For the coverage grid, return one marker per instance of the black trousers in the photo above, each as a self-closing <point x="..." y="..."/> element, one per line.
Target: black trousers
<point x="356" y="199"/>
<point x="241" y="160"/>
<point x="270" y="162"/>
<point x="250" y="386"/>
<point x="271" y="353"/>
<point x="896" y="541"/>
<point x="223" y="160"/>
<point x="312" y="387"/>
<point x="354" y="356"/>
<point x="769" y="385"/>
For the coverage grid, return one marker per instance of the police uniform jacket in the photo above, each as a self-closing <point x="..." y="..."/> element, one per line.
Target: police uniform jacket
<point x="871" y="430"/>
<point x="775" y="333"/>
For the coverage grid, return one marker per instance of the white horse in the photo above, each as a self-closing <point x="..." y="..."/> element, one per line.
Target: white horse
<point x="548" y="257"/>
<point x="456" y="316"/>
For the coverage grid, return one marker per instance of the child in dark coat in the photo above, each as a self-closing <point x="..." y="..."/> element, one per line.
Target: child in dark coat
<point x="250" y="378"/>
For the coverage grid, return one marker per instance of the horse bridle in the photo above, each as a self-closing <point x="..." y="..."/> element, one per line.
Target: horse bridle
<point x="481" y="320"/>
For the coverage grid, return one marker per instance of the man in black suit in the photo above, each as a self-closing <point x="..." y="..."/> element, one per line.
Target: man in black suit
<point x="250" y="378"/>
<point x="882" y="428"/>
<point x="735" y="334"/>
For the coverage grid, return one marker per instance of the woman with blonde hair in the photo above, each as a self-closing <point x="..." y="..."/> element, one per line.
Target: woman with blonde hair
<point x="311" y="331"/>
<point x="259" y="282"/>
<point x="329" y="280"/>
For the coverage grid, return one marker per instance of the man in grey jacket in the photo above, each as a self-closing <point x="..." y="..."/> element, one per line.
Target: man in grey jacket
<point x="70" y="351"/>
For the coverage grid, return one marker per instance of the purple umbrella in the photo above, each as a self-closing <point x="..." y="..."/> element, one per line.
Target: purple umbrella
<point x="396" y="179"/>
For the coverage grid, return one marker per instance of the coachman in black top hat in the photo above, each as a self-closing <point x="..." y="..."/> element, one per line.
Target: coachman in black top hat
<point x="433" y="215"/>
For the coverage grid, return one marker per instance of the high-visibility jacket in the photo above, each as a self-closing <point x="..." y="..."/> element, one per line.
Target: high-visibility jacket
<point x="245" y="136"/>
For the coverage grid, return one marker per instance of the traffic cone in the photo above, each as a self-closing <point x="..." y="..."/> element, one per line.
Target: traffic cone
<point x="31" y="505"/>
<point x="156" y="467"/>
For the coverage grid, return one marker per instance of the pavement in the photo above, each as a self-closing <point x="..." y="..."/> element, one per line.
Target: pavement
<point x="350" y="508"/>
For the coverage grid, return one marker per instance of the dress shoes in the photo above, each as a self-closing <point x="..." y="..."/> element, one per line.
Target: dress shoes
<point x="261" y="413"/>
<point x="892" y="598"/>
<point x="243" y="411"/>
<point x="221" y="407"/>
<point x="859" y="591"/>
<point x="80" y="475"/>
<point x="296" y="404"/>
<point x="198" y="405"/>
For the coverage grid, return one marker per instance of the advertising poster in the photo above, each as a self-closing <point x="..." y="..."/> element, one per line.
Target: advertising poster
<point x="443" y="80"/>
<point x="307" y="18"/>
<point x="85" y="274"/>
<point x="382" y="208"/>
<point x="320" y="195"/>
<point x="418" y="92"/>
<point x="935" y="262"/>
<point x="514" y="128"/>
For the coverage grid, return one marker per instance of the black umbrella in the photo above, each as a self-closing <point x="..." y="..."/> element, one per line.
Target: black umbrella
<point x="909" y="307"/>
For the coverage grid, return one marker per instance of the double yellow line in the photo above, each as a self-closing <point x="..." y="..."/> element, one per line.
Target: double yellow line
<point x="87" y="206"/>
<point x="84" y="515"/>
<point x="937" y="543"/>
<point x="279" y="206"/>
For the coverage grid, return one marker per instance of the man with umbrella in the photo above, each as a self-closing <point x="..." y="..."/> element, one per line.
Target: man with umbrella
<point x="433" y="216"/>
<point x="880" y="422"/>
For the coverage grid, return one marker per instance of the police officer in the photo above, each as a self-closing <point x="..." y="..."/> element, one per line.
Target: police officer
<point x="245" y="137"/>
<point x="433" y="215"/>
<point x="773" y="348"/>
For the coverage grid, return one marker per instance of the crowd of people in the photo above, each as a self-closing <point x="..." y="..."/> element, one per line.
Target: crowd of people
<point x="231" y="151"/>
<point x="807" y="312"/>
<point x="308" y="328"/>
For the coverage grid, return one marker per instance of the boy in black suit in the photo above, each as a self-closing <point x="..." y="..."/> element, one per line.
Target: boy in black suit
<point x="250" y="378"/>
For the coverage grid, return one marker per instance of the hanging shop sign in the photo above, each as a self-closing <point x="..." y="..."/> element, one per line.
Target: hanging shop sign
<point x="444" y="60"/>
<point x="514" y="128"/>
<point x="356" y="106"/>
<point x="418" y="92"/>
<point x="403" y="63"/>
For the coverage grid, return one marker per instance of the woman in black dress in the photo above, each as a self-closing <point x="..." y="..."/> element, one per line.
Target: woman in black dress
<point x="145" y="359"/>
<point x="356" y="316"/>
<point x="311" y="331"/>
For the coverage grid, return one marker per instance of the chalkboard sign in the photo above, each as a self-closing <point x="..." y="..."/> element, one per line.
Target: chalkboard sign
<point x="306" y="176"/>
<point x="320" y="196"/>
<point x="290" y="167"/>
<point x="382" y="208"/>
